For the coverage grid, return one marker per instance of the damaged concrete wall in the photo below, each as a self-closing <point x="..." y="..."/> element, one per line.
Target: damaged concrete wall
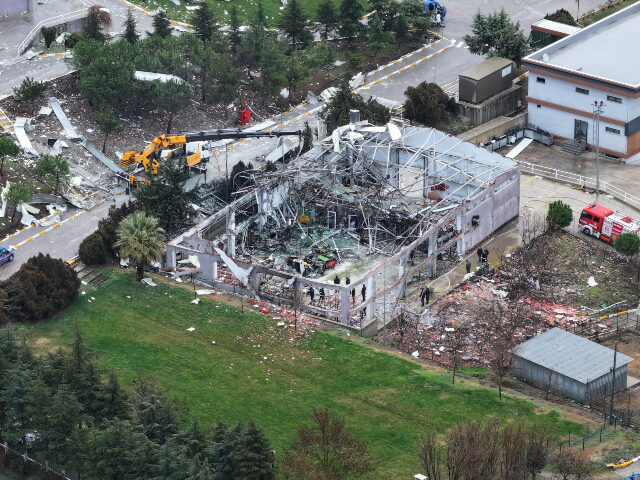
<point x="15" y="7"/>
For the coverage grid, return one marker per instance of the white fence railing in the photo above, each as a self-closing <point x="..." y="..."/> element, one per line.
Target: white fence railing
<point x="577" y="179"/>
<point x="49" y="22"/>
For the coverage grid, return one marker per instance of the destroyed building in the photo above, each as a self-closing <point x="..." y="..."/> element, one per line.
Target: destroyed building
<point x="348" y="229"/>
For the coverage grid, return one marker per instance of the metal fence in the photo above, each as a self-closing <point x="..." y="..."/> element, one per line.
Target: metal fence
<point x="580" y="180"/>
<point x="24" y="466"/>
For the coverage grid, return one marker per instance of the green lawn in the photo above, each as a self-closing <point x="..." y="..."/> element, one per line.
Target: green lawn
<point x="255" y="371"/>
<point x="246" y="9"/>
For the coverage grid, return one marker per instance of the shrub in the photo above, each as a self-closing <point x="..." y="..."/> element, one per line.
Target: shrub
<point x="561" y="16"/>
<point x="71" y="40"/>
<point x="627" y="244"/>
<point x="30" y="89"/>
<point x="559" y="214"/>
<point x="49" y="35"/>
<point x="92" y="250"/>
<point x="427" y="103"/>
<point x="108" y="226"/>
<point x="43" y="287"/>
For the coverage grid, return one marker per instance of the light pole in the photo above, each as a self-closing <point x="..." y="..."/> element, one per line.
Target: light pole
<point x="597" y="111"/>
<point x="578" y="12"/>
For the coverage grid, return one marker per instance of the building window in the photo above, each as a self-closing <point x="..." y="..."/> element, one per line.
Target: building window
<point x="613" y="130"/>
<point x="584" y="91"/>
<point x="541" y="80"/>
<point x="611" y="98"/>
<point x="539" y="106"/>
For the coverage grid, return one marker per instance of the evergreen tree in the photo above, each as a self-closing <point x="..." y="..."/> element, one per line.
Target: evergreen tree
<point x="194" y="439"/>
<point x="15" y="395"/>
<point x="307" y="138"/>
<point x="172" y="461"/>
<point x="273" y="65"/>
<point x="496" y="35"/>
<point x="161" y="24"/>
<point x="293" y="22"/>
<point x="377" y="38"/>
<point x="326" y="14"/>
<point x="171" y="97"/>
<point x="53" y="169"/>
<point x="252" y="457"/>
<point x="350" y="16"/>
<point x="386" y="11"/>
<point x="260" y="19"/>
<point x="8" y="148"/>
<point x="234" y="33"/>
<point x="62" y="430"/>
<point x="89" y="390"/>
<point x="204" y="22"/>
<point x="296" y="72"/>
<point x="113" y="399"/>
<point x="130" y="33"/>
<point x="153" y="411"/>
<point x="107" y="122"/>
<point x="93" y="27"/>
<point x="16" y="194"/>
<point x="39" y="398"/>
<point x="223" y="449"/>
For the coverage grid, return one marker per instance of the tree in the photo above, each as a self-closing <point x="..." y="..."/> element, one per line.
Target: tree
<point x="562" y="16"/>
<point x="14" y="396"/>
<point x="336" y="112"/>
<point x="307" y="138"/>
<point x="161" y="24"/>
<point x="514" y="452"/>
<point x="413" y="11"/>
<point x="559" y="214"/>
<point x="97" y="19"/>
<point x="274" y="65"/>
<point x="496" y="35"/>
<point x="166" y="199"/>
<point x="473" y="450"/>
<point x="430" y="456"/>
<point x="260" y="19"/>
<point x="377" y="38"/>
<point x="114" y="399"/>
<point x="628" y="244"/>
<point x="385" y="11"/>
<point x="326" y="449"/>
<point x="49" y="35"/>
<point x="140" y="240"/>
<point x="427" y="103"/>
<point x="326" y="14"/>
<point x="30" y="89"/>
<point x="119" y="72"/>
<point x="296" y="72"/>
<point x="171" y="97"/>
<point x="17" y="193"/>
<point x="204" y="22"/>
<point x="252" y="457"/>
<point x="108" y="123"/>
<point x="8" y="148"/>
<point x="53" y="169"/>
<point x="108" y="226"/>
<point x="537" y="452"/>
<point x="350" y="16"/>
<point x="234" y="29"/>
<point x="293" y="22"/>
<point x="570" y="464"/>
<point x="320" y="55"/>
<point x="152" y="411"/>
<point x="92" y="250"/>
<point x="130" y="33"/>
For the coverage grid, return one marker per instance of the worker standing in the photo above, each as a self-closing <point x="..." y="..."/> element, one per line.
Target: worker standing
<point x="427" y="294"/>
<point x="468" y="266"/>
<point x="347" y="280"/>
<point x="312" y="293"/>
<point x="485" y="256"/>
<point x="363" y="292"/>
<point x="336" y="280"/>
<point x="479" y="252"/>
<point x="322" y="295"/>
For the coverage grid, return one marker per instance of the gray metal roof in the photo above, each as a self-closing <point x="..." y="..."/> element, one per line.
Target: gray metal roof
<point x="486" y="68"/>
<point x="570" y="355"/>
<point x="546" y="24"/>
<point x="603" y="50"/>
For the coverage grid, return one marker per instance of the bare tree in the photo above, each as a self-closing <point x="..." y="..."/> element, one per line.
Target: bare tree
<point x="473" y="451"/>
<point x="430" y="455"/>
<point x="454" y="336"/>
<point x="537" y="451"/>
<point x="571" y="465"/>
<point x="514" y="452"/>
<point x="326" y="449"/>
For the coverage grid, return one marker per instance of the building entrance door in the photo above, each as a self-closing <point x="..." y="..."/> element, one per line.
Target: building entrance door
<point x="580" y="130"/>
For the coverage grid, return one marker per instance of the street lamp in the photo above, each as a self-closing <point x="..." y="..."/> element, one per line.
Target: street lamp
<point x="578" y="12"/>
<point x="597" y="111"/>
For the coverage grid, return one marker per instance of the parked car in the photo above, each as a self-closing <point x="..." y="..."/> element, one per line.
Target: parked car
<point x="6" y="255"/>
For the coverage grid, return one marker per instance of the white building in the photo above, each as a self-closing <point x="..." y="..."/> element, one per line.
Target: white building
<point x="598" y="63"/>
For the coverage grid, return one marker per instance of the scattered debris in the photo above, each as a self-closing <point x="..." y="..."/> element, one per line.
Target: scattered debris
<point x="148" y="281"/>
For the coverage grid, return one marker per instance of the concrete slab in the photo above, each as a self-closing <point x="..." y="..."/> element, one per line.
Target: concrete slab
<point x="69" y="130"/>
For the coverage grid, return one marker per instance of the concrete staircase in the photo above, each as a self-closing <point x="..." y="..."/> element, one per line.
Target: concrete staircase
<point x="576" y="146"/>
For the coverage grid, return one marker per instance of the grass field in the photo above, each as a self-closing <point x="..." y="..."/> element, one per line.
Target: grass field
<point x="246" y="9"/>
<point x="254" y="370"/>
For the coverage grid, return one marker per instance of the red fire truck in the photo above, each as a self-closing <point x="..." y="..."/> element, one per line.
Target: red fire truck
<point x="605" y="224"/>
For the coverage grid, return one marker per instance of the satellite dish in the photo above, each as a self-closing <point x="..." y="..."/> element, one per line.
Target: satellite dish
<point x="545" y="57"/>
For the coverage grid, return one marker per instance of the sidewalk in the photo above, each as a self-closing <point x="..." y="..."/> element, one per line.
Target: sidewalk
<point x="626" y="177"/>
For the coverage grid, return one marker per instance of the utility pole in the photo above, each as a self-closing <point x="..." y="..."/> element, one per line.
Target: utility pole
<point x="384" y="306"/>
<point x="597" y="111"/>
<point x="578" y="12"/>
<point x="613" y="381"/>
<point x="226" y="170"/>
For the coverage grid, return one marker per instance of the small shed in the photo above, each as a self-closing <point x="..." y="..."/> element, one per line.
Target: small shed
<point x="485" y="80"/>
<point x="570" y="365"/>
<point x="544" y="32"/>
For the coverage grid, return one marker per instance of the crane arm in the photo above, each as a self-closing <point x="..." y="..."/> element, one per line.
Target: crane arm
<point x="231" y="134"/>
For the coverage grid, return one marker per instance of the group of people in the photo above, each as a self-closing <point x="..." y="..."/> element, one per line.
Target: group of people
<point x="483" y="259"/>
<point x="336" y="281"/>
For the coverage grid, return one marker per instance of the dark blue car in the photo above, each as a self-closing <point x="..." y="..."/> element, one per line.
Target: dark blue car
<point x="6" y="255"/>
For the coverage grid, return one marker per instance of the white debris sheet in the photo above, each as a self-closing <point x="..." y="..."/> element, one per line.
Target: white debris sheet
<point x="148" y="281"/>
<point x="21" y="135"/>
<point x="517" y="150"/>
<point x="161" y="77"/>
<point x="205" y="291"/>
<point x="592" y="282"/>
<point x="69" y="130"/>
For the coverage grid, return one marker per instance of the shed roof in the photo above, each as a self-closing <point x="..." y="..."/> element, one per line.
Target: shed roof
<point x="550" y="25"/>
<point x="489" y="66"/>
<point x="570" y="355"/>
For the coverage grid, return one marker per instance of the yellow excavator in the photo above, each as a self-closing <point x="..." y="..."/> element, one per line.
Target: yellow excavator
<point x="150" y="156"/>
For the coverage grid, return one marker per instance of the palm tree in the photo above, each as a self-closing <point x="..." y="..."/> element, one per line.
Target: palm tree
<point x="140" y="239"/>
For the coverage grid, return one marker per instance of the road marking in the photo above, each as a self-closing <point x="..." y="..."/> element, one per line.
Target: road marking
<point x="522" y="184"/>
<point x="555" y="191"/>
<point x="460" y="44"/>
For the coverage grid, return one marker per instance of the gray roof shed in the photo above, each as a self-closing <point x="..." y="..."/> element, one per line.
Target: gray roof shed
<point x="486" y="68"/>
<point x="570" y="355"/>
